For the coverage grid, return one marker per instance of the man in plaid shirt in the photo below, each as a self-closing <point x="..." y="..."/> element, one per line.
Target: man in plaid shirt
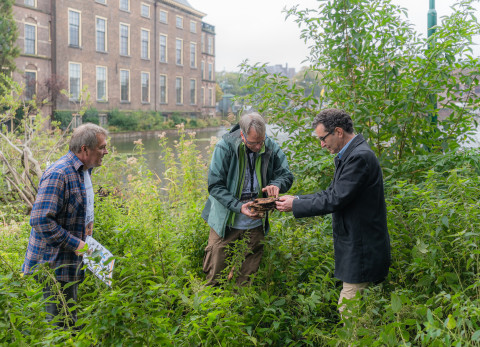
<point x="62" y="217"/>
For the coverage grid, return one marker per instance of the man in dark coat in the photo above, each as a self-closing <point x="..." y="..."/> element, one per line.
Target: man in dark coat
<point x="356" y="199"/>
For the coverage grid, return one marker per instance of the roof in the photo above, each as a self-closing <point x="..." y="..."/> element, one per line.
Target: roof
<point x="185" y="5"/>
<point x="184" y="2"/>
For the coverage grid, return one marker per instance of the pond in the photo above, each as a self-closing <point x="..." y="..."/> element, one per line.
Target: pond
<point x="123" y="143"/>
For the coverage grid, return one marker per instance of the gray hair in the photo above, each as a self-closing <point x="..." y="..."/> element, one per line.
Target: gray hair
<point x="86" y="134"/>
<point x="252" y="120"/>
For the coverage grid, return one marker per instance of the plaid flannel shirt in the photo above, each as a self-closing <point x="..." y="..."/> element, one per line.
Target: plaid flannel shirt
<point x="58" y="220"/>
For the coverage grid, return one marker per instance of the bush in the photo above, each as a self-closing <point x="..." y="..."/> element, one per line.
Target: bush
<point x="90" y="116"/>
<point x="123" y="121"/>
<point x="63" y="117"/>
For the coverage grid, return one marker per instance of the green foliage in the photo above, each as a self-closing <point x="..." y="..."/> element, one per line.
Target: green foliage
<point x="122" y="121"/>
<point x="90" y="116"/>
<point x="63" y="117"/>
<point x="390" y="79"/>
<point x="8" y="37"/>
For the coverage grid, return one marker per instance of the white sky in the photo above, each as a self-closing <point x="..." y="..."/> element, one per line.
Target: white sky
<point x="257" y="30"/>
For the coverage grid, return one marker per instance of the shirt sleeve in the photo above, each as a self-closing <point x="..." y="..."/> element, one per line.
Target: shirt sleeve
<point x="49" y="204"/>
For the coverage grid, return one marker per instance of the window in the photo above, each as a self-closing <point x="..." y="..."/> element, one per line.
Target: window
<point x="210" y="71"/>
<point x="74" y="28"/>
<point x="145" y="40"/>
<point x="163" y="48"/>
<point x="193" y="54"/>
<point x="30" y="39"/>
<point x="145" y="10"/>
<point x="30" y="84"/>
<point x="124" y="85"/>
<point x="203" y="43"/>
<point x="163" y="89"/>
<point x="102" y="1"/>
<point x="179" y="22"/>
<point x="124" y="39"/>
<point x="202" y="95"/>
<point x="179" y="90"/>
<point x="102" y="83"/>
<point x="203" y="70"/>
<point x="101" y="28"/>
<point x="210" y="45"/>
<point x="125" y="5"/>
<point x="145" y="77"/>
<point x="210" y="97"/>
<point x="178" y="52"/>
<point x="30" y="3"/>
<point x="193" y="91"/>
<point x="163" y="16"/>
<point x="74" y="80"/>
<point x="193" y="26"/>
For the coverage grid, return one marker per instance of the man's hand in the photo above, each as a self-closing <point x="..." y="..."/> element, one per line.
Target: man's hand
<point x="271" y="190"/>
<point x="285" y="203"/>
<point x="246" y="211"/>
<point x="82" y="248"/>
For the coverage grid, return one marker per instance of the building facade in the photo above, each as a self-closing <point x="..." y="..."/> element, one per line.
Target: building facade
<point x="130" y="55"/>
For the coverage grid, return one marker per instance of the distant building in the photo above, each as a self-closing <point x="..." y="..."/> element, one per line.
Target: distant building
<point x="148" y="55"/>
<point x="280" y="70"/>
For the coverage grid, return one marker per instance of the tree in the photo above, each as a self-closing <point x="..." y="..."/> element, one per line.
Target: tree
<point x="8" y="37"/>
<point x="391" y="79"/>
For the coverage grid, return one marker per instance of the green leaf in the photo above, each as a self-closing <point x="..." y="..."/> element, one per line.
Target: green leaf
<point x="396" y="303"/>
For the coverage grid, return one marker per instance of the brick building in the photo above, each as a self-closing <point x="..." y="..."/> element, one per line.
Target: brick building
<point x="130" y="55"/>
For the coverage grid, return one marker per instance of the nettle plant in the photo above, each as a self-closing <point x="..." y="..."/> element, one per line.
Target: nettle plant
<point x="408" y="94"/>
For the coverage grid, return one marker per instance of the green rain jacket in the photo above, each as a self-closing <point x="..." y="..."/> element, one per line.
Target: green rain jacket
<point x="227" y="174"/>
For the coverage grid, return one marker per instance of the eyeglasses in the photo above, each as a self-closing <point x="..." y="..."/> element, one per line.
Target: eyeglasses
<point x="252" y="143"/>
<point x="322" y="138"/>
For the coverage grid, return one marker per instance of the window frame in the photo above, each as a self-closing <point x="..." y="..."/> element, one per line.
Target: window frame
<point x="177" y="79"/>
<point x="34" y="3"/>
<point x="105" y="33"/>
<point x="71" y="96"/>
<point x="194" y="90"/>
<point x="177" y="40"/>
<point x="142" y="6"/>
<point x="210" y="71"/>
<point x="142" y="30"/>
<point x="120" y="2"/>
<point x="179" y="22"/>
<point x="194" y="23"/>
<point x="27" y="82"/>
<point x="34" y="26"/>
<point x="143" y="73"/>
<point x="193" y="64"/>
<point x="120" y="39"/>
<point x="160" y="17"/>
<point x="160" y="89"/>
<point x="160" y="48"/>
<point x="128" y="86"/>
<point x="105" y="99"/>
<point x="70" y="44"/>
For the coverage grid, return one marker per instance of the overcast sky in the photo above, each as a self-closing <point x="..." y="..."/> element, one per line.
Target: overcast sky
<point x="257" y="30"/>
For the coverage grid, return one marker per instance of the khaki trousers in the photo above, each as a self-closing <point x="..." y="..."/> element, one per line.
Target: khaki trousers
<point x="215" y="256"/>
<point x="349" y="291"/>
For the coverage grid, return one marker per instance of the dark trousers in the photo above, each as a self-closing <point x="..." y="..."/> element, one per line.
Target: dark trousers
<point x="61" y="305"/>
<point x="215" y="256"/>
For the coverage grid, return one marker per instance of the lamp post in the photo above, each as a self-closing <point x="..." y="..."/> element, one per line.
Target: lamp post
<point x="431" y="23"/>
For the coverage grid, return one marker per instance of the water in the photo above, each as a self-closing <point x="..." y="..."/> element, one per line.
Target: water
<point x="125" y="145"/>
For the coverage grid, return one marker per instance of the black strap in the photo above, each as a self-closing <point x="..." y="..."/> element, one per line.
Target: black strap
<point x="251" y="167"/>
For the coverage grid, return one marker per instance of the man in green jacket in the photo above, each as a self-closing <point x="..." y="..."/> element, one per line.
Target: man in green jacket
<point x="245" y="165"/>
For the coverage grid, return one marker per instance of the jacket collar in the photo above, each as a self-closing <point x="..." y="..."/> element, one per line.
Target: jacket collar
<point x="357" y="140"/>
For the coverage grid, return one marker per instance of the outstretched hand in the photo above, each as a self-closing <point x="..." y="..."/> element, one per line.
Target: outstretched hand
<point x="285" y="203"/>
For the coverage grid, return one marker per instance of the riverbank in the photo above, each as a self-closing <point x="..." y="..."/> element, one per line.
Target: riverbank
<point x="155" y="133"/>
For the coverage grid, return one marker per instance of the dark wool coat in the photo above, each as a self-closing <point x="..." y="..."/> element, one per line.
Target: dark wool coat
<point x="356" y="199"/>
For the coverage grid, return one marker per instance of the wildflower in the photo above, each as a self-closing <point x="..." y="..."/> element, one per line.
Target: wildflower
<point x="162" y="135"/>
<point x="180" y="126"/>
<point x="130" y="177"/>
<point x="131" y="161"/>
<point x="213" y="140"/>
<point x="138" y="142"/>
